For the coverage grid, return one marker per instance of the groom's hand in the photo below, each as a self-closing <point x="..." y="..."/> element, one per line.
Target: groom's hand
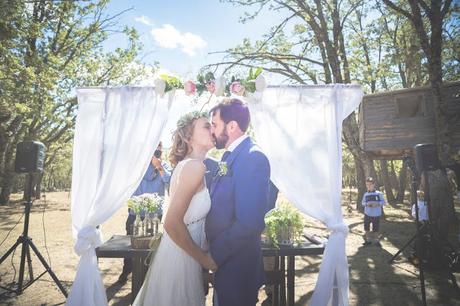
<point x="209" y="263"/>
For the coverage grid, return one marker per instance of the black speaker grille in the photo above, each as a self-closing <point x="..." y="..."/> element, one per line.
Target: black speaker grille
<point x="30" y="157"/>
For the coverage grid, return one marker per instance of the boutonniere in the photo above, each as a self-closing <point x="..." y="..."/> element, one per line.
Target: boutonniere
<point x="223" y="169"/>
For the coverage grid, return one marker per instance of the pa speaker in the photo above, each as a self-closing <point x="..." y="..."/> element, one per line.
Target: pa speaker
<point x="30" y="157"/>
<point x="426" y="157"/>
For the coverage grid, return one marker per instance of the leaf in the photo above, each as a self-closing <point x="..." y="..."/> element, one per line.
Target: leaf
<point x="209" y="77"/>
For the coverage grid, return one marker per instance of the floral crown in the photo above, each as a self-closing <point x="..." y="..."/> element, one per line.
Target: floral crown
<point x="189" y="117"/>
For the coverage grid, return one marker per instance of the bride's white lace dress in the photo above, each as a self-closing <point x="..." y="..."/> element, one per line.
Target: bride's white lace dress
<point x="174" y="278"/>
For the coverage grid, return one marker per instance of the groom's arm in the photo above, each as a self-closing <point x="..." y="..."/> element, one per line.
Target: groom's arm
<point x="251" y="200"/>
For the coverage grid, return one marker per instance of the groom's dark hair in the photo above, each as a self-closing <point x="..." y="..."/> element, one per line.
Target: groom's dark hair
<point x="233" y="110"/>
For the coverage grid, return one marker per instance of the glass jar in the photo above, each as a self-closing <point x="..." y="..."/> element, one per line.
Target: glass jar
<point x="137" y="225"/>
<point x="156" y="224"/>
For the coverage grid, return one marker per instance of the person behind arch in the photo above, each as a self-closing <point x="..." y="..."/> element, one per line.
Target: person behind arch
<point x="155" y="180"/>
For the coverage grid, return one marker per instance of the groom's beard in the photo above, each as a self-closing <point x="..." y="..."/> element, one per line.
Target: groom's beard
<point x="221" y="140"/>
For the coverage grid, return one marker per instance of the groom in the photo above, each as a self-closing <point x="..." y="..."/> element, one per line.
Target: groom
<point x="239" y="197"/>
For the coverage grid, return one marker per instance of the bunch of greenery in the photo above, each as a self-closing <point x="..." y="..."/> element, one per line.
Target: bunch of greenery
<point x="284" y="223"/>
<point x="202" y="80"/>
<point x="249" y="82"/>
<point x="148" y="202"/>
<point x="172" y="82"/>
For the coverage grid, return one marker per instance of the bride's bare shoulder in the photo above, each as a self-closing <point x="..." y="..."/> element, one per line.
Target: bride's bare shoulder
<point x="193" y="167"/>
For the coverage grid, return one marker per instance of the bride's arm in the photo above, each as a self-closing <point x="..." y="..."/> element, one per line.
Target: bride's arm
<point x="190" y="181"/>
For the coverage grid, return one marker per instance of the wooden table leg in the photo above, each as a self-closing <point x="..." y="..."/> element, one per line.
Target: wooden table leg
<point x="276" y="286"/>
<point x="291" y="280"/>
<point x="138" y="275"/>
<point x="283" y="281"/>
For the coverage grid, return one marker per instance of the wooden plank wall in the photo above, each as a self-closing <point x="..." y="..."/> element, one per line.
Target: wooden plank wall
<point x="384" y="132"/>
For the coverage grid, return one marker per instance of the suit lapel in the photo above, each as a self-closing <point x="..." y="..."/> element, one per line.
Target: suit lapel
<point x="231" y="158"/>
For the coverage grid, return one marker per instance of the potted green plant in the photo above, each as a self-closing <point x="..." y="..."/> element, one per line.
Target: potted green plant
<point x="283" y="225"/>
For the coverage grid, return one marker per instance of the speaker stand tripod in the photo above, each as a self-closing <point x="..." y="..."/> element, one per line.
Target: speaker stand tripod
<point x="415" y="236"/>
<point x="418" y="233"/>
<point x="27" y="243"/>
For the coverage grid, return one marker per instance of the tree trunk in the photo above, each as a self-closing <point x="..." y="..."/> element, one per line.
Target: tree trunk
<point x="38" y="185"/>
<point x="378" y="175"/>
<point x="393" y="177"/>
<point x="411" y="199"/>
<point x="361" y="182"/>
<point x="442" y="212"/>
<point x="32" y="192"/>
<point x="364" y="164"/>
<point x="8" y="175"/>
<point x="386" y="182"/>
<point x="402" y="184"/>
<point x="7" y="182"/>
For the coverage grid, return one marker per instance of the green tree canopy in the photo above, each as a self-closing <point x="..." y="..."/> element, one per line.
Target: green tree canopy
<point x="47" y="49"/>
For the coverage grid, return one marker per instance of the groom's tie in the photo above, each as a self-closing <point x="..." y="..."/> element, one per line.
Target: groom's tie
<point x="225" y="156"/>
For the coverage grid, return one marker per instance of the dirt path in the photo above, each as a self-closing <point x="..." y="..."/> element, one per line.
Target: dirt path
<point x="372" y="280"/>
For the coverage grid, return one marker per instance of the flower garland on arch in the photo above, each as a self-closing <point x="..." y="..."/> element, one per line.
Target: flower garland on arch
<point x="215" y="86"/>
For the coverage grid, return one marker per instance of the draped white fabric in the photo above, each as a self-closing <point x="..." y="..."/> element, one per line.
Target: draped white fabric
<point x="117" y="131"/>
<point x="299" y="128"/>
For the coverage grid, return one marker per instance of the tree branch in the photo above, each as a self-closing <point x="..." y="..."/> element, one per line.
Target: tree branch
<point x="445" y="8"/>
<point x="398" y="9"/>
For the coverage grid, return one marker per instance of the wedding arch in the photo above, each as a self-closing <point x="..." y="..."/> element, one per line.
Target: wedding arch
<point x="298" y="127"/>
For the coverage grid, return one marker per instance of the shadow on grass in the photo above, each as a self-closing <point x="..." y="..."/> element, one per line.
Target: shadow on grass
<point x="112" y="290"/>
<point x="398" y="232"/>
<point x="378" y="282"/>
<point x="308" y="268"/>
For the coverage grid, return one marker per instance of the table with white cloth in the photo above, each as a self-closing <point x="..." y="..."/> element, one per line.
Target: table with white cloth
<point x="282" y="277"/>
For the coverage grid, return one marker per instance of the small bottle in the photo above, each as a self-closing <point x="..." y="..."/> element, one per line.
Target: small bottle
<point x="148" y="224"/>
<point x="136" y="225"/>
<point x="156" y="224"/>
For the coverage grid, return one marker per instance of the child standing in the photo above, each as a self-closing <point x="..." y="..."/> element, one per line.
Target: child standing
<point x="373" y="201"/>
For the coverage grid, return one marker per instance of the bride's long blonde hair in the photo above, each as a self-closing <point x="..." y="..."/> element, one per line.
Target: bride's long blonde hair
<point x="182" y="135"/>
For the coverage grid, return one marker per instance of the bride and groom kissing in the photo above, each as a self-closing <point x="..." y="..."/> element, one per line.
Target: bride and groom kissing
<point x="218" y="230"/>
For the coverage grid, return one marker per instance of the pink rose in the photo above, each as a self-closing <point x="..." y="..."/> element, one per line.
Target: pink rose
<point x="189" y="88"/>
<point x="211" y="86"/>
<point x="237" y="88"/>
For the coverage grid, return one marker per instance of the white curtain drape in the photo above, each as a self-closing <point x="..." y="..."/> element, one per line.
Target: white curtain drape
<point x="117" y="131"/>
<point x="300" y="128"/>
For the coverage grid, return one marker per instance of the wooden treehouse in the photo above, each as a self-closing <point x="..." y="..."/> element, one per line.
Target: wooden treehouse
<point x="392" y="123"/>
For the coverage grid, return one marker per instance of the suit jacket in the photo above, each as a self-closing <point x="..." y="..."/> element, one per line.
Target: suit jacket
<point x="212" y="168"/>
<point x="239" y="201"/>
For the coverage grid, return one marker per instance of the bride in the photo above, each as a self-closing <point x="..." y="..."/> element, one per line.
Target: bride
<point x="175" y="275"/>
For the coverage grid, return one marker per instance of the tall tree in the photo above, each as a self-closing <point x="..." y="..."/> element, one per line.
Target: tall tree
<point x="47" y="48"/>
<point x="429" y="31"/>
<point x="317" y="53"/>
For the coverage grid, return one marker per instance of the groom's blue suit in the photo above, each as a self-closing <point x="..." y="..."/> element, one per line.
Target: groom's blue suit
<point x="235" y="222"/>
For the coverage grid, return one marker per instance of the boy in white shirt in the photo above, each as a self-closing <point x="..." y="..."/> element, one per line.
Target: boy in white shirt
<point x="373" y="201"/>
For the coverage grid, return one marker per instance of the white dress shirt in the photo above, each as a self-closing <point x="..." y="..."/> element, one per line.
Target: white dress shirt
<point x="236" y="142"/>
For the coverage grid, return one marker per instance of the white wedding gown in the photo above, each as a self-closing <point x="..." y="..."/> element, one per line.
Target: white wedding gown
<point x="175" y="278"/>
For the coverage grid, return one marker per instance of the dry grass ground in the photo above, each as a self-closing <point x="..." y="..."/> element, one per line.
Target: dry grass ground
<point x="372" y="280"/>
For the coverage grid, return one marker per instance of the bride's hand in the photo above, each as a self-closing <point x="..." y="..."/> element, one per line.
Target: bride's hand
<point x="209" y="263"/>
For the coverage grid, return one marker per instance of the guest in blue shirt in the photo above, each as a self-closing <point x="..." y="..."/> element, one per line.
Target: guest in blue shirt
<point x="155" y="180"/>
